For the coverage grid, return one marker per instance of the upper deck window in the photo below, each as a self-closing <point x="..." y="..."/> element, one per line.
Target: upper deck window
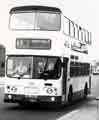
<point x="35" y="21"/>
<point x="22" y="21"/>
<point x="71" y="29"/>
<point x="76" y="31"/>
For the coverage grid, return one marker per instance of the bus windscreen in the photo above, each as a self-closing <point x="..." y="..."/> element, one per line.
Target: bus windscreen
<point x="34" y="67"/>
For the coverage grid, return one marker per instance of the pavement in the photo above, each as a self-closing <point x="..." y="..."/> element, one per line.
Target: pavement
<point x="80" y="115"/>
<point x="89" y="111"/>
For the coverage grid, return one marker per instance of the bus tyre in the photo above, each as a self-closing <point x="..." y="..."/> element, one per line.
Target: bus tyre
<point x="21" y="104"/>
<point x="70" y="95"/>
<point x="85" y="91"/>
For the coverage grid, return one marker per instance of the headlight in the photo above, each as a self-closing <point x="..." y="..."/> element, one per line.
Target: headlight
<point x="52" y="98"/>
<point x="11" y="89"/>
<point x="10" y="96"/>
<point x="8" y="88"/>
<point x="14" y="89"/>
<point x="49" y="90"/>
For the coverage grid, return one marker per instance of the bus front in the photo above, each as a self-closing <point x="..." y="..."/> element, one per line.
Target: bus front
<point x="34" y="62"/>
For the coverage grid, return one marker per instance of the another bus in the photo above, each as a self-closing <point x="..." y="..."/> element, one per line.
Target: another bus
<point x="96" y="70"/>
<point x="47" y="59"/>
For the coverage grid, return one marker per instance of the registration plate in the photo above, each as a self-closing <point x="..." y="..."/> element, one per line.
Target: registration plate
<point x="30" y="91"/>
<point x="31" y="98"/>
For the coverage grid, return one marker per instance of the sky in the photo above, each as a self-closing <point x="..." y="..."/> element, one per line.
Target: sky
<point x="82" y="12"/>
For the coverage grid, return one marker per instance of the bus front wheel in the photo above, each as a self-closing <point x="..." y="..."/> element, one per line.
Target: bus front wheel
<point x="85" y="90"/>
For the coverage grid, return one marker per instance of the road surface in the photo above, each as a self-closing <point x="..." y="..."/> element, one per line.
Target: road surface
<point x="82" y="110"/>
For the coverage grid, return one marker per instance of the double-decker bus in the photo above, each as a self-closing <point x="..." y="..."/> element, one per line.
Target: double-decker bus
<point x="47" y="58"/>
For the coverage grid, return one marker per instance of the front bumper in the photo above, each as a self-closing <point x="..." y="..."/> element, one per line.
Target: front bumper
<point x="11" y="98"/>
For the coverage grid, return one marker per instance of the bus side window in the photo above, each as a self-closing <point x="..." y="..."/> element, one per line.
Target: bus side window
<point x="90" y="41"/>
<point x="86" y="36"/>
<point x="80" y="33"/>
<point x="76" y="31"/>
<point x="66" y="26"/>
<point x="72" y="69"/>
<point x="72" y="29"/>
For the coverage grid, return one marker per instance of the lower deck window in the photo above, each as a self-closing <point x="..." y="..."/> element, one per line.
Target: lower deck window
<point x="79" y="69"/>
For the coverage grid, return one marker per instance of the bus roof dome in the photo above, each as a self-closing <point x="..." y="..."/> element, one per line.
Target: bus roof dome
<point x="30" y="8"/>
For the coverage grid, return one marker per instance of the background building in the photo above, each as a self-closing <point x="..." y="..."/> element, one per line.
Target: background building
<point x="2" y="60"/>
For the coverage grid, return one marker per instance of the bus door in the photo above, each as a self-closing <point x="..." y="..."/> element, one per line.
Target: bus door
<point x="64" y="79"/>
